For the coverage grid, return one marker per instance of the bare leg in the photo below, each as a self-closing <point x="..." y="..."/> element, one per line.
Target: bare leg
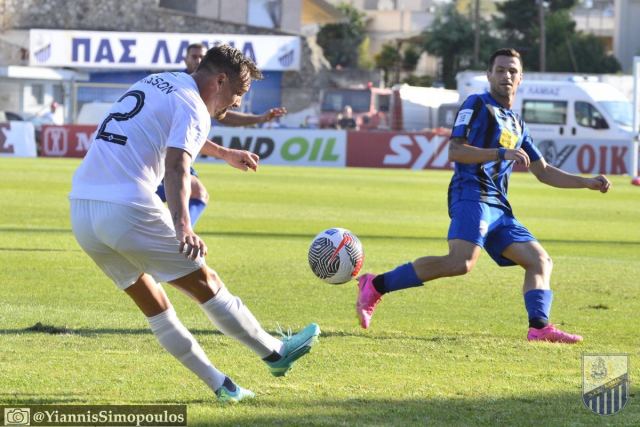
<point x="536" y="262"/>
<point x="461" y="259"/>
<point x="148" y="296"/>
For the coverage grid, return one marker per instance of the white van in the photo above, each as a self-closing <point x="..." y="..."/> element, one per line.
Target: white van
<point x="579" y="124"/>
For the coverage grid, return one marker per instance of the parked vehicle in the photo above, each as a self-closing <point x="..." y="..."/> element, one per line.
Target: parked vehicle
<point x="416" y="108"/>
<point x="370" y="106"/>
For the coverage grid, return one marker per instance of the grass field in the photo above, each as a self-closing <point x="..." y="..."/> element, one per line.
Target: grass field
<point x="450" y="353"/>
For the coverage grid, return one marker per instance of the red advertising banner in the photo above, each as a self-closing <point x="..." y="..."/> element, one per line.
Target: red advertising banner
<point x="67" y="140"/>
<point x="408" y="150"/>
<point x="429" y="150"/>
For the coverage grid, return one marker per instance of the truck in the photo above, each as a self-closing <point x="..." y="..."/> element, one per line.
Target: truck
<point x="402" y="107"/>
<point x="370" y="106"/>
<point x="416" y="108"/>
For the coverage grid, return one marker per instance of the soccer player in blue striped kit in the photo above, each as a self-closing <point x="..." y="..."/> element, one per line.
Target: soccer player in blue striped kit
<point x="488" y="138"/>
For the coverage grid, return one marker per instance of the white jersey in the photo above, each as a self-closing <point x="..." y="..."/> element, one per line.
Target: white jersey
<point x="125" y="162"/>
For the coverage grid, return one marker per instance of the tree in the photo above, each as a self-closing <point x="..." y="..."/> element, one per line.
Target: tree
<point x="389" y="60"/>
<point x="410" y="58"/>
<point x="451" y="38"/>
<point x="393" y="58"/>
<point x="340" y="42"/>
<point x="567" y="49"/>
<point x="365" y="62"/>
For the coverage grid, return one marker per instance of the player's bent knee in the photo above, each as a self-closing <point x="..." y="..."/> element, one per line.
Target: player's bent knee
<point x="461" y="266"/>
<point x="199" y="191"/>
<point x="214" y="278"/>
<point x="542" y="264"/>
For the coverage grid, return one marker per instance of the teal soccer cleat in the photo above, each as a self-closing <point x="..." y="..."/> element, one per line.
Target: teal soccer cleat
<point x="295" y="346"/>
<point x="232" y="393"/>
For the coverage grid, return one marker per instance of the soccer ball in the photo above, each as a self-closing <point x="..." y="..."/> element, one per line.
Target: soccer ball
<point x="336" y="256"/>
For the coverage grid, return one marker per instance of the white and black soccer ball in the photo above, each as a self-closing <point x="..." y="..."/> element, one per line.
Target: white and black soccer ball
<point x="336" y="256"/>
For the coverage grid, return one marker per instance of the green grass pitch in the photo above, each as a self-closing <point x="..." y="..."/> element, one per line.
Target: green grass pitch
<point x="450" y="353"/>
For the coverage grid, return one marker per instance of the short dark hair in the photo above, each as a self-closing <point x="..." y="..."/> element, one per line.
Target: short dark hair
<point x="195" y="46"/>
<point x="229" y="60"/>
<point x="504" y="52"/>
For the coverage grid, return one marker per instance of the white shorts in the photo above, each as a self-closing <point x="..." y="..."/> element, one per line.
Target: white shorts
<point x="125" y="241"/>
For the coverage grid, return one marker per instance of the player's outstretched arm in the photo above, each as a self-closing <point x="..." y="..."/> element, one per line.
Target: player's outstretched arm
<point x="239" y="159"/>
<point x="555" y="177"/>
<point x="177" y="187"/>
<point x="234" y="118"/>
<point x="460" y="151"/>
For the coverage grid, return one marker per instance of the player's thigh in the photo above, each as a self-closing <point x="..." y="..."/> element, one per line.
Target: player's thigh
<point x="149" y="243"/>
<point x="464" y="251"/>
<point x="511" y="243"/>
<point x="85" y="214"/>
<point x="529" y="254"/>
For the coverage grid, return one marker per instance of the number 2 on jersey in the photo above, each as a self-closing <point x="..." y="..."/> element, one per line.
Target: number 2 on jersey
<point x="114" y="137"/>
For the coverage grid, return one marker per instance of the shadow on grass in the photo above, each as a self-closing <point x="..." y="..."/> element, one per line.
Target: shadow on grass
<point x="34" y="399"/>
<point x="40" y="328"/>
<point x="529" y="410"/>
<point x="308" y="236"/>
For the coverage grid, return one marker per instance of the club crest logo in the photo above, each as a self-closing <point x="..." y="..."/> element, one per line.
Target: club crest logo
<point x="605" y="382"/>
<point x="286" y="56"/>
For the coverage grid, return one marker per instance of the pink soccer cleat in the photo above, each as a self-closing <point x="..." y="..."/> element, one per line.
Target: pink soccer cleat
<point x="368" y="298"/>
<point x="552" y="334"/>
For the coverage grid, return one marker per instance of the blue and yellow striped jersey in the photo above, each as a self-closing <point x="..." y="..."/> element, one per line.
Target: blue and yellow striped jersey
<point x="486" y="124"/>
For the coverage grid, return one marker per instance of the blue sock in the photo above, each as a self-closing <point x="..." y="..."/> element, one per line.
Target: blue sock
<point x="196" y="207"/>
<point x="402" y="277"/>
<point x="538" y="305"/>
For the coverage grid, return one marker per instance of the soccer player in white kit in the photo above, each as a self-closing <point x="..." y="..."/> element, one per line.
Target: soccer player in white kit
<point x="156" y="129"/>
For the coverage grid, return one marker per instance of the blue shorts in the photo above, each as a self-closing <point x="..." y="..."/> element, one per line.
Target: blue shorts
<point x="488" y="227"/>
<point x="160" y="190"/>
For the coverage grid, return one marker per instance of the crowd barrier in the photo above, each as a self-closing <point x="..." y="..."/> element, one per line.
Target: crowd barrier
<point x="340" y="148"/>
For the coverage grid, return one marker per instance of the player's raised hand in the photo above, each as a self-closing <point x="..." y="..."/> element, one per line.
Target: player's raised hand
<point x="191" y="245"/>
<point x="519" y="155"/>
<point x="600" y="183"/>
<point x="242" y="159"/>
<point x="274" y="113"/>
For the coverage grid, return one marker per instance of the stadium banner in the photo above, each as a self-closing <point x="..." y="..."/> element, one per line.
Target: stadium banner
<point x="409" y="150"/>
<point x="609" y="157"/>
<point x="17" y="139"/>
<point x="293" y="147"/>
<point x="66" y="140"/>
<point x="152" y="51"/>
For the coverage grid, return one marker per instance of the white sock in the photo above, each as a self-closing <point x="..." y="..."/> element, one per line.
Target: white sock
<point x="178" y="341"/>
<point x="233" y="318"/>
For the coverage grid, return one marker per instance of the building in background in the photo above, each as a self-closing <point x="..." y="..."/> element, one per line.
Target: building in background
<point x="100" y="65"/>
<point x="626" y="42"/>
<point x="396" y="22"/>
